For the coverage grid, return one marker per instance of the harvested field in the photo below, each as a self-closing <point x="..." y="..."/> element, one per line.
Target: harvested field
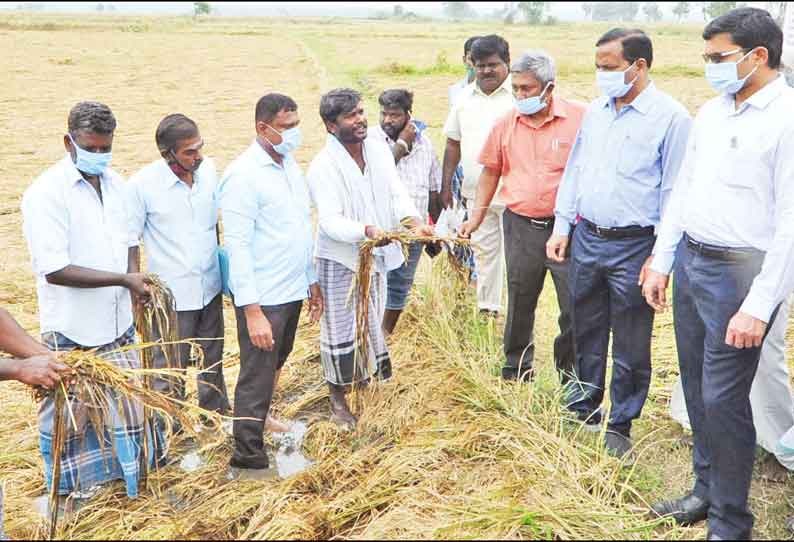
<point x="444" y="450"/>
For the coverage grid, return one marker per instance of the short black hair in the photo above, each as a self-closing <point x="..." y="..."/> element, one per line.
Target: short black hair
<point x="489" y="45"/>
<point x="397" y="98"/>
<point x="750" y="28"/>
<point x="338" y="102"/>
<point x="636" y="44"/>
<point x="93" y="117"/>
<point x="271" y="105"/>
<point x="469" y="43"/>
<point x="172" y="129"/>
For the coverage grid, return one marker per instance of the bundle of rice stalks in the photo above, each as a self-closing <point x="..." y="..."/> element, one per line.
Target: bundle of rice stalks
<point x="106" y="392"/>
<point x="363" y="282"/>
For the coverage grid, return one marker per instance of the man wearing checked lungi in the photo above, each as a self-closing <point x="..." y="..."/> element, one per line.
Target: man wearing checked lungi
<point x="358" y="194"/>
<point x="75" y="223"/>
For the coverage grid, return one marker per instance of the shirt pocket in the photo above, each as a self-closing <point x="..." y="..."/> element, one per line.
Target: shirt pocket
<point x="205" y="211"/>
<point x="556" y="155"/>
<point x="742" y="165"/>
<point x="638" y="158"/>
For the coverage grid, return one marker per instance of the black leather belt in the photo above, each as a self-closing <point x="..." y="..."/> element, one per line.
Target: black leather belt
<point x="621" y="232"/>
<point x="727" y="254"/>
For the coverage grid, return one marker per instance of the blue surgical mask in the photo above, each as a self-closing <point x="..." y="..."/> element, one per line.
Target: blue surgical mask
<point x="533" y="104"/>
<point x="92" y="163"/>
<point x="724" y="76"/>
<point x="290" y="140"/>
<point x="613" y="84"/>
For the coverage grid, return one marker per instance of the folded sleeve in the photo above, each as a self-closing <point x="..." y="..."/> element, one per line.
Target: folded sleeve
<point x="46" y="229"/>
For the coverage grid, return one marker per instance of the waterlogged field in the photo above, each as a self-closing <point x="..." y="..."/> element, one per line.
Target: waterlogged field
<point x="445" y="449"/>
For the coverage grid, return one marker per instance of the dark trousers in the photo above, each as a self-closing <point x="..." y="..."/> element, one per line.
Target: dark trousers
<point x="525" y="254"/>
<point x="605" y="297"/>
<point x="205" y="325"/>
<point x="254" y="389"/>
<point x="717" y="378"/>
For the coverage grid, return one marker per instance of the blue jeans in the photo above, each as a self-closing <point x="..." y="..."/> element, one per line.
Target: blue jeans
<point x="605" y="297"/>
<point x="400" y="280"/>
<point x="717" y="379"/>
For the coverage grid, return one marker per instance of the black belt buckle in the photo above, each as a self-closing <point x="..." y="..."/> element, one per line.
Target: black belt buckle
<point x="541" y="224"/>
<point x="718" y="253"/>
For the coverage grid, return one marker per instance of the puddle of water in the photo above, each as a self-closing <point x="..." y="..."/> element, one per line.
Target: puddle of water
<point x="289" y="456"/>
<point x="191" y="462"/>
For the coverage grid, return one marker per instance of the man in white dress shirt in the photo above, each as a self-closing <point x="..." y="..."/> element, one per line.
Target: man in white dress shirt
<point x="76" y="227"/>
<point x="268" y="235"/>
<point x="173" y="208"/>
<point x="476" y="110"/>
<point x="728" y="236"/>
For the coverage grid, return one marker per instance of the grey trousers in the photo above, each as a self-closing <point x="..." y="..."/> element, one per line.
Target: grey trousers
<point x="525" y="254"/>
<point x="206" y="324"/>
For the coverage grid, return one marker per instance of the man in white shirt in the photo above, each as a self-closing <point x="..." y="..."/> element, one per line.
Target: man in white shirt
<point x="420" y="172"/>
<point x="358" y="195"/>
<point x="476" y="110"/>
<point x="268" y="235"/>
<point x="76" y="227"/>
<point x="173" y="208"/>
<point x="728" y="235"/>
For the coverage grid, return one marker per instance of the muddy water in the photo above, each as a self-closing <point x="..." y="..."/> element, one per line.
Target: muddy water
<point x="289" y="456"/>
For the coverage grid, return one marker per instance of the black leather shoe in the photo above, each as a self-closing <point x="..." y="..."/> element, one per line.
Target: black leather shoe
<point x="617" y="445"/>
<point x="687" y="510"/>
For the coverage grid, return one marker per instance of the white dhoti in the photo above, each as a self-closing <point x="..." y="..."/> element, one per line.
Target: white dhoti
<point x="770" y="396"/>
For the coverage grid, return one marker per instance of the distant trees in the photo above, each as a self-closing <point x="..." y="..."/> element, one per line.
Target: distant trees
<point x="533" y="11"/>
<point x="201" y="8"/>
<point x="652" y="12"/>
<point x="459" y="10"/>
<point x="681" y="10"/>
<point x="715" y="9"/>
<point x="614" y="11"/>
<point x="398" y="11"/>
<point x="587" y="7"/>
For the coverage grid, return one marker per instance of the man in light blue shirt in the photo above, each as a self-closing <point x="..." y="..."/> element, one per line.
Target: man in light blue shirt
<point x="173" y="208"/>
<point x="268" y="236"/>
<point x="616" y="183"/>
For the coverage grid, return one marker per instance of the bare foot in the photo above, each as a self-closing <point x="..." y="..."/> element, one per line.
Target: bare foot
<point x="344" y="419"/>
<point x="273" y="425"/>
<point x="772" y="471"/>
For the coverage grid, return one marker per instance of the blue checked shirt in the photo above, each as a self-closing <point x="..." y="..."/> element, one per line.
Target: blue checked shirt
<point x="622" y="166"/>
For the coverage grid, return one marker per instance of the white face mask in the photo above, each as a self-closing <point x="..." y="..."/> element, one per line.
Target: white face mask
<point x="724" y="76"/>
<point x="533" y="104"/>
<point x="290" y="140"/>
<point x="613" y="84"/>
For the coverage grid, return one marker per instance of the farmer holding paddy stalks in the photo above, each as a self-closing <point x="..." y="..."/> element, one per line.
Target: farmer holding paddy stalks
<point x="618" y="180"/>
<point x="173" y="207"/>
<point x="76" y="226"/>
<point x="528" y="149"/>
<point x="268" y="235"/>
<point x="358" y="194"/>
<point x="728" y="237"/>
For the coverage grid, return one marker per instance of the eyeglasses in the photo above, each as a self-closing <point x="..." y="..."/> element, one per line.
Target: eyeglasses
<point x="716" y="58"/>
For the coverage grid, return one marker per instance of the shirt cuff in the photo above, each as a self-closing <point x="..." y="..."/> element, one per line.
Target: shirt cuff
<point x="52" y="264"/>
<point x="663" y="262"/>
<point x="758" y="306"/>
<point x="245" y="296"/>
<point x="561" y="227"/>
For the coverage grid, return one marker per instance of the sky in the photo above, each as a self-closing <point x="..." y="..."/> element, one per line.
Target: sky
<point x="565" y="11"/>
